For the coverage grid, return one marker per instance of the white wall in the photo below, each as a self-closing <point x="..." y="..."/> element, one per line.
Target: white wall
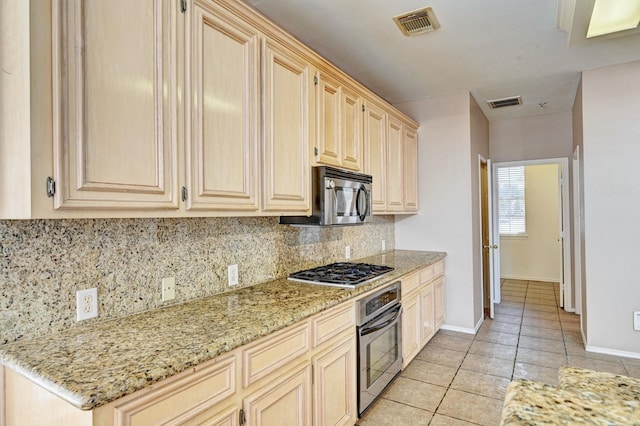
<point x="531" y="138"/>
<point x="536" y="256"/>
<point x="445" y="220"/>
<point x="611" y="138"/>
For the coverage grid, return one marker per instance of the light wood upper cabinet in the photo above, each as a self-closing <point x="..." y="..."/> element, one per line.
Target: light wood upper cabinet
<point x="286" y="129"/>
<point x="328" y="103"/>
<point x="222" y="141"/>
<point x="351" y="130"/>
<point x="338" y="124"/>
<point x="410" y="150"/>
<point x="375" y="154"/>
<point x="114" y="91"/>
<point x="395" y="165"/>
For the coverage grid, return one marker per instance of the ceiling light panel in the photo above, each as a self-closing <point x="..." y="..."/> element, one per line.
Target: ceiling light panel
<point x="610" y="16"/>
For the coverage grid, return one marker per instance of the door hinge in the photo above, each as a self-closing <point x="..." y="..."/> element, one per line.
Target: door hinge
<point x="315" y="151"/>
<point x="362" y="107"/>
<point x="51" y="187"/>
<point x="315" y="80"/>
<point x="184" y="193"/>
<point x="242" y="417"/>
<point x="183" y="6"/>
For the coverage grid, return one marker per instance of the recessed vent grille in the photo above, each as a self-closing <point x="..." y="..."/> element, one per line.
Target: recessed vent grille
<point x="417" y="22"/>
<point x="505" y="102"/>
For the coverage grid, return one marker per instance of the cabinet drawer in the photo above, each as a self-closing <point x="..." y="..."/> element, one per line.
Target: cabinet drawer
<point x="273" y="352"/>
<point x="181" y="399"/>
<point x="427" y="274"/>
<point x="438" y="268"/>
<point x="333" y="322"/>
<point x="409" y="284"/>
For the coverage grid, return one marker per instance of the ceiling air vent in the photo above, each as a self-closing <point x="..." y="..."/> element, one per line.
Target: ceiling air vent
<point x="417" y="22"/>
<point x="505" y="102"/>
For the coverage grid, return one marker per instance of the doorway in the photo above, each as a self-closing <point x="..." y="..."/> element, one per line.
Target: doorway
<point x="541" y="251"/>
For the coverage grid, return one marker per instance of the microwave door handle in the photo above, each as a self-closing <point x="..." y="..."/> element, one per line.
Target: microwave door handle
<point x="362" y="190"/>
<point x="375" y="328"/>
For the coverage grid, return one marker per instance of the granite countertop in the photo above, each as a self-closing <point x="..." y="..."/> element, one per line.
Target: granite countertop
<point x="533" y="403"/>
<point x="91" y="366"/>
<point x="597" y="400"/>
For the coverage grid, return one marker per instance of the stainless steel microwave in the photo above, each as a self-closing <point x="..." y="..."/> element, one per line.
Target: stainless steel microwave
<point x="339" y="197"/>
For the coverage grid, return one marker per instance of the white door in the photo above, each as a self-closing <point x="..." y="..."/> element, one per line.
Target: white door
<point x="576" y="232"/>
<point x="561" y="241"/>
<point x="494" y="232"/>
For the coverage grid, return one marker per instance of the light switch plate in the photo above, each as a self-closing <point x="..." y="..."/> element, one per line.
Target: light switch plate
<point x="232" y="275"/>
<point x="636" y="320"/>
<point x="347" y="252"/>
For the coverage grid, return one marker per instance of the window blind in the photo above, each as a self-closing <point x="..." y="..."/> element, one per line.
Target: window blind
<point x="511" y="205"/>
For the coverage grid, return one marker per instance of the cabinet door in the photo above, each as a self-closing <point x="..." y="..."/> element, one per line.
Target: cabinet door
<point x="411" y="329"/>
<point x="426" y="314"/>
<point x="334" y="389"/>
<point x="395" y="166"/>
<point x="351" y="130"/>
<point x="286" y="401"/>
<point x="375" y="155"/>
<point x="410" y="145"/>
<point x="222" y="134"/>
<point x="114" y="104"/>
<point x="328" y="96"/>
<point x="439" y="302"/>
<point x="286" y="130"/>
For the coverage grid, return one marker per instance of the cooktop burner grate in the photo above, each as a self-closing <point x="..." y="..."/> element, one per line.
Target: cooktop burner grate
<point x="343" y="274"/>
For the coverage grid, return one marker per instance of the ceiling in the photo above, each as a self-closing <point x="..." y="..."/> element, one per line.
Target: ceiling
<point x="490" y="48"/>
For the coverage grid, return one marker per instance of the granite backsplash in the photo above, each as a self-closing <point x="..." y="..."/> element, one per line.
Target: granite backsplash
<point x="44" y="262"/>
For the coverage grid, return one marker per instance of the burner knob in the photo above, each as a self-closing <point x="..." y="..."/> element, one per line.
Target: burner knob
<point x="330" y="184"/>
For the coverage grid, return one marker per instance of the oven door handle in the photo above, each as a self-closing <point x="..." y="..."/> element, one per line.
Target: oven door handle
<point x="377" y="327"/>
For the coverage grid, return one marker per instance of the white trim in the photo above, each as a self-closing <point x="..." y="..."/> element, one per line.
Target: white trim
<point x="615" y="352"/>
<point x="513" y="277"/>
<point x="577" y="237"/>
<point x="465" y="330"/>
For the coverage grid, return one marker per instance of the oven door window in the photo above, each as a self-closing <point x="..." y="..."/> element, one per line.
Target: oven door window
<point x="381" y="354"/>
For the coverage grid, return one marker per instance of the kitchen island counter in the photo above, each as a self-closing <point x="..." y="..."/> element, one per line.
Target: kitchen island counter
<point x="94" y="365"/>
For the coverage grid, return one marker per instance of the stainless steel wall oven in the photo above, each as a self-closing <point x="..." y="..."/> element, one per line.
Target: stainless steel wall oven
<point x="379" y="343"/>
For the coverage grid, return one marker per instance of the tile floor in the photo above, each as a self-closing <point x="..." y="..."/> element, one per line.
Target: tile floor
<point x="461" y="379"/>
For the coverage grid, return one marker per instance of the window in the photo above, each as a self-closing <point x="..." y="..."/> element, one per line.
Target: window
<point x="511" y="201"/>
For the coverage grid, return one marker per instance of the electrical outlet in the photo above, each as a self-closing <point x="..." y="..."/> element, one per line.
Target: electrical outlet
<point x="232" y="272"/>
<point x="636" y="320"/>
<point x="384" y="245"/>
<point x="86" y="304"/>
<point x="347" y="252"/>
<point x="168" y="289"/>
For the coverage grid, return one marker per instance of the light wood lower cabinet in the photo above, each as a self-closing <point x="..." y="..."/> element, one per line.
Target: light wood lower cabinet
<point x="423" y="309"/>
<point x="284" y="401"/>
<point x="287" y="378"/>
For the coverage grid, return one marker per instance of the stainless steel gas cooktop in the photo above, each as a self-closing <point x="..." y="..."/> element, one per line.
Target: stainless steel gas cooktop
<point x="343" y="275"/>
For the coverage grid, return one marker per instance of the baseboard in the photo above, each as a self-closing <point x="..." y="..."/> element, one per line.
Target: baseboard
<point x="545" y="280"/>
<point x="608" y="351"/>
<point x="458" y="329"/>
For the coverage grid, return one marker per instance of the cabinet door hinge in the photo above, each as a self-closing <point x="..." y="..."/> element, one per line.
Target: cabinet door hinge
<point x="315" y="80"/>
<point x="185" y="193"/>
<point x="362" y="107"/>
<point x="242" y="417"/>
<point x="315" y="151"/>
<point x="51" y="187"/>
<point x="183" y="6"/>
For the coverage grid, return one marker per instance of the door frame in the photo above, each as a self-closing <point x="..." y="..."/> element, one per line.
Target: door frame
<point x="494" y="258"/>
<point x="577" y="237"/>
<point x="563" y="182"/>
